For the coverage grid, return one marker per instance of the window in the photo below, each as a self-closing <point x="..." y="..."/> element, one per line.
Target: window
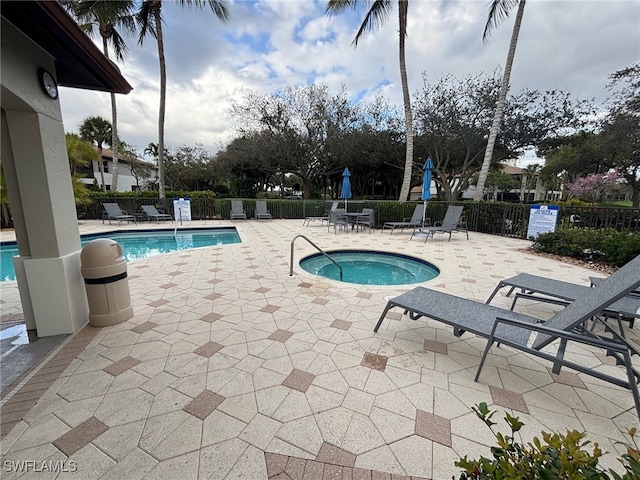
<point x="105" y="165"/>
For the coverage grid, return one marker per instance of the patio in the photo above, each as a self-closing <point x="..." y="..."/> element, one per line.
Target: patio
<point x="231" y="369"/>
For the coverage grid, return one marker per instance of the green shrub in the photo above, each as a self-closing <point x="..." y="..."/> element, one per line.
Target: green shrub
<point x="555" y="457"/>
<point x="606" y="245"/>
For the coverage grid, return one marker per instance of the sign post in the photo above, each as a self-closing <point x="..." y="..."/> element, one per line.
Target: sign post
<point x="542" y="219"/>
<point x="182" y="209"/>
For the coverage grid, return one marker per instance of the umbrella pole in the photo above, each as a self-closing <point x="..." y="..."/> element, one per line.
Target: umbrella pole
<point x="424" y="212"/>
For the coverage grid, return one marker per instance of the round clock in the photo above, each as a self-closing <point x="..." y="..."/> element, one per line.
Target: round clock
<point x="48" y="83"/>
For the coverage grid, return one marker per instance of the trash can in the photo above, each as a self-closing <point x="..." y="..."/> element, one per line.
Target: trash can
<point x="104" y="270"/>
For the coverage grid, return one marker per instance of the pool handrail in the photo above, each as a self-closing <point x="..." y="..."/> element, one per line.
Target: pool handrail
<point x="317" y="248"/>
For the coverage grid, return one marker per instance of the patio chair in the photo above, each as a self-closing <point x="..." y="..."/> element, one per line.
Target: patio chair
<point x="338" y="220"/>
<point x="367" y="219"/>
<point x="152" y="213"/>
<point x="558" y="292"/>
<point x="114" y="212"/>
<point x="237" y="210"/>
<point x="414" y="221"/>
<point x="261" y="210"/>
<point x="451" y="223"/>
<point x="528" y="334"/>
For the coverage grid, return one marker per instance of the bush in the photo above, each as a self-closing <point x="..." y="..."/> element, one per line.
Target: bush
<point x="556" y="456"/>
<point x="606" y="245"/>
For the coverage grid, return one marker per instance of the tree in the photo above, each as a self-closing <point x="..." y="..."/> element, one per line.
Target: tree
<point x="499" y="9"/>
<point x="452" y="117"/>
<point x="98" y="130"/>
<point x="594" y="187"/>
<point x="139" y="169"/>
<point x="108" y="16"/>
<point x="620" y="131"/>
<point x="80" y="152"/>
<point x="150" y="20"/>
<point x="375" y="17"/>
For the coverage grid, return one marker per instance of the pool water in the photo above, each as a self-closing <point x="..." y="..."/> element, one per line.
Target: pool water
<point x="367" y="267"/>
<point x="140" y="244"/>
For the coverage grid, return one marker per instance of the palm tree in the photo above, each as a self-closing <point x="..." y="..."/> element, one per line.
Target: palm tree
<point x="375" y="17"/>
<point x="109" y="17"/>
<point x="80" y="152"/>
<point x="150" y="20"/>
<point x="498" y="11"/>
<point x="98" y="130"/>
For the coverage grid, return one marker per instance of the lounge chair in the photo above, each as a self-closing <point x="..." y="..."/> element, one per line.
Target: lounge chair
<point x="414" y="221"/>
<point x="114" y="212"/>
<point x="261" y="210"/>
<point x="367" y="219"/>
<point x="152" y="213"/>
<point x="323" y="218"/>
<point x="549" y="290"/>
<point x="237" y="210"/>
<point x="451" y="223"/>
<point x="528" y="334"/>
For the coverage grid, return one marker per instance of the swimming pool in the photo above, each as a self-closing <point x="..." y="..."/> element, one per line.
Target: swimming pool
<point x="139" y="244"/>
<point x="368" y="267"/>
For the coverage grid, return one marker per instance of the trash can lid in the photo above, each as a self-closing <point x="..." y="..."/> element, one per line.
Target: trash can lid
<point x="101" y="252"/>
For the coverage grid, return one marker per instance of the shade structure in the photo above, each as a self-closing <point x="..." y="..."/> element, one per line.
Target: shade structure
<point x="345" y="192"/>
<point x="426" y="185"/>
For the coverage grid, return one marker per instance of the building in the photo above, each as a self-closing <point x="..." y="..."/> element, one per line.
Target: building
<point x="129" y="180"/>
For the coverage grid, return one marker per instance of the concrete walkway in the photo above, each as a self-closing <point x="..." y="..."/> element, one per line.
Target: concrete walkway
<point x="230" y="369"/>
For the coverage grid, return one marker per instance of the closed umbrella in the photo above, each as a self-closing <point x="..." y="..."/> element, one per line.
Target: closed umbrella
<point x="345" y="193"/>
<point x="426" y="185"/>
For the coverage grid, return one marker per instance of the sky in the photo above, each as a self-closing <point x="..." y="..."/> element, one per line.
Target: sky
<point x="571" y="45"/>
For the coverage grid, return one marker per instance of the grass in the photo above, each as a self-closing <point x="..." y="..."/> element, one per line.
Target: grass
<point x="617" y="204"/>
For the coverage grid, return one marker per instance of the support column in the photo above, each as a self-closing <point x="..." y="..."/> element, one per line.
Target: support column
<point x="52" y="287"/>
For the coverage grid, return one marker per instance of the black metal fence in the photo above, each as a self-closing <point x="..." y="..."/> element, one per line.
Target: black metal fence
<point x="506" y="219"/>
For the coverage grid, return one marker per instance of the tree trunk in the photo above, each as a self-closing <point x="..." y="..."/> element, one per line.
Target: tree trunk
<point x="497" y="116"/>
<point x="101" y="167"/>
<point x="403" y="6"/>
<point x="163" y="93"/>
<point x="114" y="129"/>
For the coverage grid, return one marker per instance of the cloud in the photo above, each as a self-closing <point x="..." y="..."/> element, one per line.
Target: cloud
<point x="270" y="44"/>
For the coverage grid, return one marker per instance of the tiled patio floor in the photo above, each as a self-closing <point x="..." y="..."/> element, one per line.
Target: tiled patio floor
<point x="230" y="369"/>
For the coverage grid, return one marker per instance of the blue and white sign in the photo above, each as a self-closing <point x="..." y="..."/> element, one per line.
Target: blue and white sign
<point x="182" y="209"/>
<point x="542" y="219"/>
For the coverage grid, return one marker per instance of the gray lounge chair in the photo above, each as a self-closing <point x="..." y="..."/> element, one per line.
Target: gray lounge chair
<point x="152" y="213"/>
<point x="112" y="211"/>
<point x="261" y="210"/>
<point x="527" y="334"/>
<point x="549" y="290"/>
<point x="451" y="223"/>
<point x="237" y="210"/>
<point x="414" y="221"/>
<point x="323" y="218"/>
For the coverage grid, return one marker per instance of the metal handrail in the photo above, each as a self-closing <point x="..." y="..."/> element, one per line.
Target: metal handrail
<point x="317" y="248"/>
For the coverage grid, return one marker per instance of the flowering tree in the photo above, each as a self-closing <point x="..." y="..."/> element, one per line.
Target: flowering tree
<point x="594" y="186"/>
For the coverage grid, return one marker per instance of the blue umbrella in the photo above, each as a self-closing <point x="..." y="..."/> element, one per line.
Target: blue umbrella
<point x="426" y="185"/>
<point x="346" y="187"/>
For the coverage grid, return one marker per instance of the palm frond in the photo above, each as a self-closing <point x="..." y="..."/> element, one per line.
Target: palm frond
<point x="374" y="19"/>
<point x="498" y="11"/>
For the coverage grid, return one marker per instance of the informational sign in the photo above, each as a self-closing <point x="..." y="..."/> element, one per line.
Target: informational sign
<point x="182" y="209"/>
<point x="542" y="219"/>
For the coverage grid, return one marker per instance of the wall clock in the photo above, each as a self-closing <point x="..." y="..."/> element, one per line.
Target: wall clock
<point x="48" y="83"/>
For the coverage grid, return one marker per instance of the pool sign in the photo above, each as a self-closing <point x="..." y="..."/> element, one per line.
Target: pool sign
<point x="182" y="209"/>
<point x="542" y="219"/>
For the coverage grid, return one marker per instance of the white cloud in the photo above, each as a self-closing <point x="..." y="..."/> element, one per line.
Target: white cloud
<point x="270" y="44"/>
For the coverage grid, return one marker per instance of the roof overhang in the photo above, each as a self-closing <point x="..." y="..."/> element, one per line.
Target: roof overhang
<point x="79" y="62"/>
